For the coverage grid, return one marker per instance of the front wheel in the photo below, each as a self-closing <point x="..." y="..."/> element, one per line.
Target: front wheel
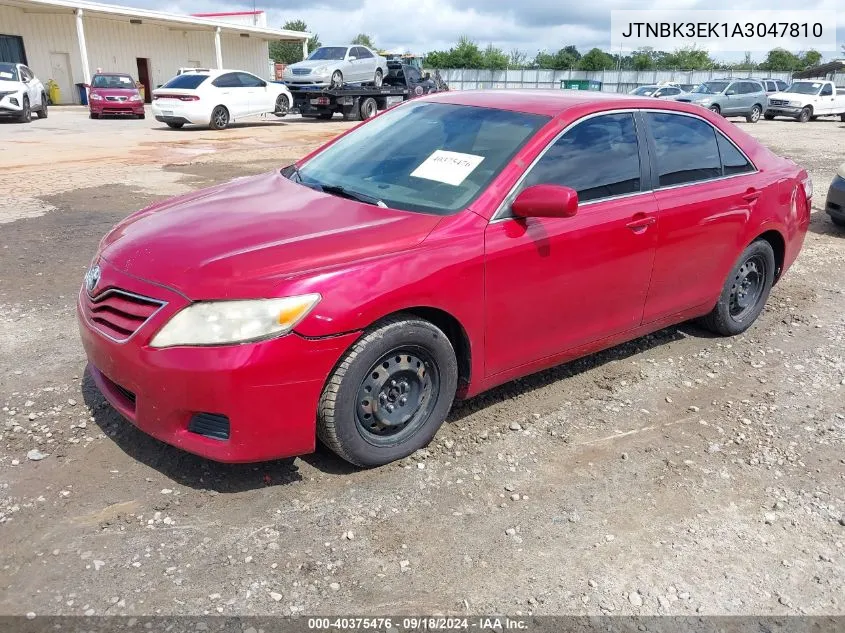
<point x="390" y="393"/>
<point x="282" y="105"/>
<point x="337" y="79"/>
<point x="715" y="108"/>
<point x="26" y="112"/>
<point x="745" y="292"/>
<point x="754" y="115"/>
<point x="42" y="113"/>
<point x="219" y="118"/>
<point x="805" y="115"/>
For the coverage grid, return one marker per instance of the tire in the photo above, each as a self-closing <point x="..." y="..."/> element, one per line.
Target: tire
<point x="142" y="116"/>
<point x="715" y="108"/>
<point x="282" y="105"/>
<point x="838" y="222"/>
<point x="325" y="116"/>
<point x="336" y="80"/>
<point x="176" y="125"/>
<point x="378" y="80"/>
<point x="754" y="115"/>
<point x="769" y="117"/>
<point x="26" y="112"/>
<point x="372" y="432"/>
<point x="369" y="108"/>
<point x="91" y="115"/>
<point x="219" y="118"/>
<point x="805" y="115"/>
<point x="42" y="112"/>
<point x="734" y="312"/>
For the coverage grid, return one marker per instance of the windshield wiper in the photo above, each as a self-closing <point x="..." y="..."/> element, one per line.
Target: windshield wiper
<point x="337" y="190"/>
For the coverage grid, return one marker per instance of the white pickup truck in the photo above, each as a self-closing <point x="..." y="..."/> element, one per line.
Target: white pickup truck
<point x="807" y="99"/>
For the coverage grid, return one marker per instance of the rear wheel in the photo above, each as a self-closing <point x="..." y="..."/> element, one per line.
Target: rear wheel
<point x="716" y="109"/>
<point x="337" y="79"/>
<point x="282" y="105"/>
<point x="369" y="108"/>
<point x="806" y="115"/>
<point x="42" y="112"/>
<point x="26" y="112"/>
<point x="754" y="115"/>
<point x="176" y="125"/>
<point x="745" y="292"/>
<point x="378" y="79"/>
<point x="390" y="393"/>
<point x="219" y="118"/>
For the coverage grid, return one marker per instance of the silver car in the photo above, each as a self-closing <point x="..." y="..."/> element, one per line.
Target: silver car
<point x="657" y="91"/>
<point x="730" y="97"/>
<point x="336" y="65"/>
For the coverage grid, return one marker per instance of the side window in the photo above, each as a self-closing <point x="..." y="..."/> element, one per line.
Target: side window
<point x="355" y="52"/>
<point x="599" y="158"/>
<point x="229" y="80"/>
<point x="781" y="85"/>
<point x="672" y="91"/>
<point x="827" y="90"/>
<point x="733" y="161"/>
<point x="414" y="76"/>
<point x="686" y="149"/>
<point x="250" y="81"/>
<point x="26" y="74"/>
<point x="732" y="89"/>
<point x="364" y="53"/>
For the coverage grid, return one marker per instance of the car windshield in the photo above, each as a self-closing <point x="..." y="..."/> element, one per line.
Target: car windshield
<point x="644" y="91"/>
<point x="329" y="52"/>
<point x="427" y="157"/>
<point x="9" y="72"/>
<point x="805" y="87"/>
<point x="188" y="81"/>
<point x="112" y="81"/>
<point x="711" y="87"/>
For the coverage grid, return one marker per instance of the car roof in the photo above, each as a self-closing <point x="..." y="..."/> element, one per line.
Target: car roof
<point x="553" y="102"/>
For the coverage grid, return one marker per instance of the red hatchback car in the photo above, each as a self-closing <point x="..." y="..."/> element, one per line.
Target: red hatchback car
<point x="451" y="244"/>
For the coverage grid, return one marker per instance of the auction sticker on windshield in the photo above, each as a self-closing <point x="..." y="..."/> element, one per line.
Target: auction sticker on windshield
<point x="451" y="168"/>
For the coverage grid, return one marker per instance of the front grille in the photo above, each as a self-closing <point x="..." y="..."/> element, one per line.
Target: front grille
<point x="119" y="314"/>
<point x="778" y="102"/>
<point x="211" y="425"/>
<point x="116" y="98"/>
<point x="301" y="71"/>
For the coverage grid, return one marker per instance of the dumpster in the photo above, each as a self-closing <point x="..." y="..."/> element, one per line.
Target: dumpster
<point x="83" y="94"/>
<point x="580" y="84"/>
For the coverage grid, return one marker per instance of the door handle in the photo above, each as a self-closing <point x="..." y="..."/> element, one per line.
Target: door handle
<point x="751" y="195"/>
<point x="641" y="222"/>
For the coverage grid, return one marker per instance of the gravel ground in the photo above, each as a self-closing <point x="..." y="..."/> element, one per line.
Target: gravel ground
<point x="677" y="474"/>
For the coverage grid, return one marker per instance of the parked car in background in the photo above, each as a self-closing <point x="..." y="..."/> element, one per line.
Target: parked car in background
<point x="336" y="65"/>
<point x="835" y="203"/>
<point x="730" y="97"/>
<point x="808" y="99"/>
<point x="453" y="243"/>
<point x="114" y="94"/>
<point x="21" y="93"/>
<point x="658" y="91"/>
<point x="773" y="85"/>
<point x="217" y="98"/>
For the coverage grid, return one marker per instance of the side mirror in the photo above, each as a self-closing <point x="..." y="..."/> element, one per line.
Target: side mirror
<point x="546" y="201"/>
<point x="730" y="93"/>
<point x="352" y="58"/>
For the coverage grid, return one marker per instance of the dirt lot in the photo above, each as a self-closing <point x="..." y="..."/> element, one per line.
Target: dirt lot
<point x="677" y="474"/>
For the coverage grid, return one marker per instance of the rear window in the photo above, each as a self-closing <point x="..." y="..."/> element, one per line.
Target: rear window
<point x="186" y="81"/>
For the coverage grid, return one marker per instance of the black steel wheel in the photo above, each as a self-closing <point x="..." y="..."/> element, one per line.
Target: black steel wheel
<point x="745" y="291"/>
<point x="26" y="112"/>
<point x="389" y="393"/>
<point x="282" y="105"/>
<point x="369" y="108"/>
<point x="219" y="118"/>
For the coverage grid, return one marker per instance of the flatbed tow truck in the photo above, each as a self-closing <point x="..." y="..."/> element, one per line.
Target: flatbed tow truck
<point x="356" y="103"/>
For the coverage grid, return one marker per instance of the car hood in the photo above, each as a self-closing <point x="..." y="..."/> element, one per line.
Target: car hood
<point x="243" y="238"/>
<point x="786" y="96"/>
<point x="315" y="63"/>
<point x="10" y="86"/>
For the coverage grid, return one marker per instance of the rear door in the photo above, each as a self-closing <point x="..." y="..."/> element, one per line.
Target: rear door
<point x="705" y="189"/>
<point x="233" y="94"/>
<point x="368" y="64"/>
<point x="256" y="89"/>
<point x="556" y="284"/>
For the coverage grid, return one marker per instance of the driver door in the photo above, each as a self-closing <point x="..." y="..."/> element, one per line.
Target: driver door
<point x="562" y="283"/>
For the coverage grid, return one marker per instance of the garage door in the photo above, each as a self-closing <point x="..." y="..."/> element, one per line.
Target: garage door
<point x="11" y="49"/>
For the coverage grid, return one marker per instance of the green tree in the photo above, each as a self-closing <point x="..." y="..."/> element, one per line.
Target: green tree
<point x="494" y="59"/>
<point x="517" y="59"/>
<point x="465" y="54"/>
<point x="781" y="59"/>
<point x="596" y="59"/>
<point x="811" y="58"/>
<point x="643" y="60"/>
<point x="290" y="52"/>
<point x="689" y="58"/>
<point x="564" y="59"/>
<point x="362" y="39"/>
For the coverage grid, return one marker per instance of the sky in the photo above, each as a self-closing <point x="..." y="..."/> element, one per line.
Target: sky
<point x="420" y="26"/>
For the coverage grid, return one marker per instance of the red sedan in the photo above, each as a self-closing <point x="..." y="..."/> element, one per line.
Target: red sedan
<point x="447" y="246"/>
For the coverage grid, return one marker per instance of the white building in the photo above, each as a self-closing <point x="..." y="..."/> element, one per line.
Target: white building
<point x="67" y="41"/>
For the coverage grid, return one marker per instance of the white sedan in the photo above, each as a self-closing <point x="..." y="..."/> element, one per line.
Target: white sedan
<point x="21" y="93"/>
<point x="217" y="98"/>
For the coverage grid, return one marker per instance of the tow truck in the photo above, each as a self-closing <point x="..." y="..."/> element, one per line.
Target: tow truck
<point x="355" y="103"/>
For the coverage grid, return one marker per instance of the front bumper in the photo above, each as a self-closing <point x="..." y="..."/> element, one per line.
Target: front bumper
<point x="116" y="108"/>
<point x="308" y="80"/>
<point x="783" y="111"/>
<point x="835" y="203"/>
<point x="11" y="105"/>
<point x="269" y="390"/>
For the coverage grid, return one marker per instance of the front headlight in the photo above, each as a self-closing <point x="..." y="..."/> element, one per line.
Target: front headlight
<point x="135" y="98"/>
<point x="320" y="70"/>
<point x="96" y="97"/>
<point x="239" y="321"/>
<point x="795" y="104"/>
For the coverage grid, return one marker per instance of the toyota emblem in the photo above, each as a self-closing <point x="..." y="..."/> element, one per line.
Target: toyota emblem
<point x="92" y="278"/>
